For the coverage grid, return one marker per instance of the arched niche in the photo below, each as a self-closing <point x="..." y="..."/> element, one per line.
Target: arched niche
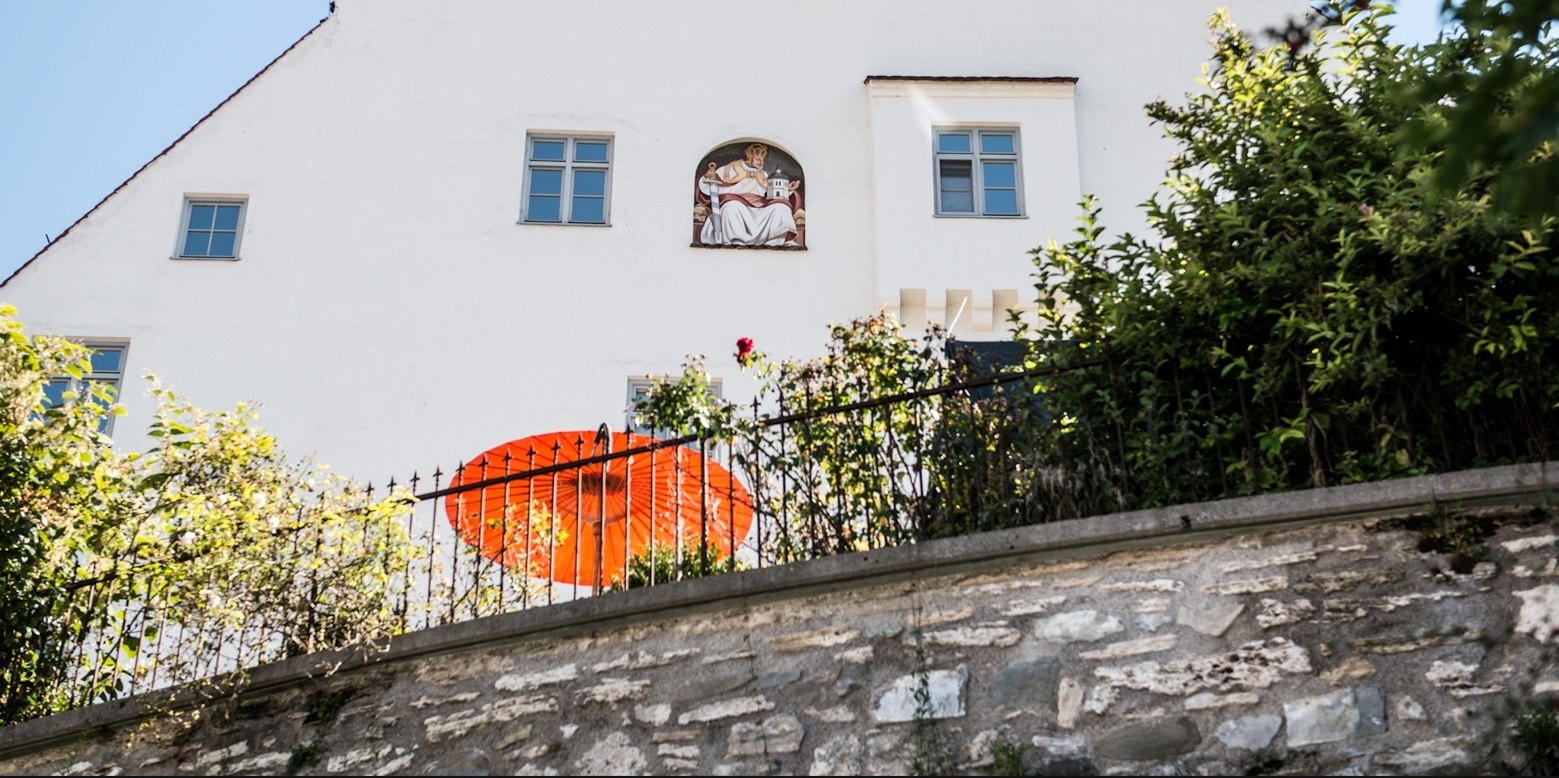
<point x="749" y="194"/>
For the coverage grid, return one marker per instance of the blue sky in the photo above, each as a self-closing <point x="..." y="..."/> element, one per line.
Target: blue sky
<point x="92" y="89"/>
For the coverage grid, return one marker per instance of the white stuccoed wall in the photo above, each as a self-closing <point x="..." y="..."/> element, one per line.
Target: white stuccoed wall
<point x="933" y="255"/>
<point x="391" y="314"/>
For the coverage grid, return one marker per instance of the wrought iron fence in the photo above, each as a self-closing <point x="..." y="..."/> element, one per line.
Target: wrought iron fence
<point x="833" y="467"/>
<point x="565" y="515"/>
<point x="577" y="514"/>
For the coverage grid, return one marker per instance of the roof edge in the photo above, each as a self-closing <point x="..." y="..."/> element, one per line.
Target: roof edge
<point x="164" y="152"/>
<point x="1021" y="79"/>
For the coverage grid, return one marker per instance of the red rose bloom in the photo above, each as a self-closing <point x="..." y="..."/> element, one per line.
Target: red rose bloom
<point x="743" y="351"/>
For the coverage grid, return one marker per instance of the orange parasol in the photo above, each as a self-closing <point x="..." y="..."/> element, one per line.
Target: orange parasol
<point x="549" y="524"/>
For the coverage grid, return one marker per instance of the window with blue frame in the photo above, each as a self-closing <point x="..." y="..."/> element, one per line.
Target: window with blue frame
<point x="106" y="370"/>
<point x="568" y="179"/>
<point x="211" y="229"/>
<point x="978" y="172"/>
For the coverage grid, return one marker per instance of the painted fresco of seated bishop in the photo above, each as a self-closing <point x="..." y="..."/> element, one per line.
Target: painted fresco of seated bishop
<point x="749" y="212"/>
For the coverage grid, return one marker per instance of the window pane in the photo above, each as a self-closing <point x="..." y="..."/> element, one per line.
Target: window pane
<point x="1001" y="202"/>
<point x="957" y="202"/>
<point x="953" y="143"/>
<point x="546" y="182"/>
<point x="551" y="150"/>
<point x="106" y="361"/>
<point x="227" y="217"/>
<point x="957" y="176"/>
<point x="196" y="243"/>
<point x="589" y="152"/>
<point x="222" y="244"/>
<point x="957" y="195"/>
<point x="999" y="174"/>
<point x="995" y="144"/>
<point x="54" y="392"/>
<point x="590" y="182"/>
<point x="543" y="208"/>
<point x="588" y="209"/>
<point x="200" y="216"/>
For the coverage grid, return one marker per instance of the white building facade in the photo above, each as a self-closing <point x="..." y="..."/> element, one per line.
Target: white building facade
<point x="431" y="227"/>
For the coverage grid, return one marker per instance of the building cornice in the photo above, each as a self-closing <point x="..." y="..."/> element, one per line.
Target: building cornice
<point x="1023" y="87"/>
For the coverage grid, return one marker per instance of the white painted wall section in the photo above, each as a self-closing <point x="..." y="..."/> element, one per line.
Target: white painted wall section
<point x="391" y="314"/>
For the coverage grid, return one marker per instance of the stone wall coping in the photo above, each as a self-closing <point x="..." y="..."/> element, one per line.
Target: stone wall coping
<point x="1524" y="484"/>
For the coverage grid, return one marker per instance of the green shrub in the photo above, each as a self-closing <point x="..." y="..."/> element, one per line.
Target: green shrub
<point x="117" y="567"/>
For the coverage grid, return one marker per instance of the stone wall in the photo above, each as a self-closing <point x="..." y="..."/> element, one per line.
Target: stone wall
<point x="1307" y="643"/>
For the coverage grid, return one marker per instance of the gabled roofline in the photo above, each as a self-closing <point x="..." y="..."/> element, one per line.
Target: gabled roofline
<point x="164" y="152"/>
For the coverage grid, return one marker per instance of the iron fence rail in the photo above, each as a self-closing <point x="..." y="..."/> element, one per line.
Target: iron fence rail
<point x="583" y="513"/>
<point x="530" y="528"/>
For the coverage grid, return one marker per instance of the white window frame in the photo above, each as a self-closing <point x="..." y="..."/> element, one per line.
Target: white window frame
<point x="976" y="170"/>
<point x="567" y="167"/>
<point x="114" y="378"/>
<point x="192" y="200"/>
<point x="639" y="386"/>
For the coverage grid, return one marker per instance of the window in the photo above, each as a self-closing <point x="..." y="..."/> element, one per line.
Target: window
<point x="211" y="228"/>
<point x="639" y="388"/>
<point x="567" y="179"/>
<point x="977" y="173"/>
<point x="108" y="363"/>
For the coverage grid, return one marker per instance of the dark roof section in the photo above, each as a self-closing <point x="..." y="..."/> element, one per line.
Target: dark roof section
<point x="1032" y="79"/>
<point x="160" y="154"/>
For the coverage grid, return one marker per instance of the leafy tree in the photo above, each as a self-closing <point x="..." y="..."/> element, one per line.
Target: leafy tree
<point x="1310" y="311"/>
<point x="209" y="553"/>
<point x="1492" y="102"/>
<point x="47" y="457"/>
